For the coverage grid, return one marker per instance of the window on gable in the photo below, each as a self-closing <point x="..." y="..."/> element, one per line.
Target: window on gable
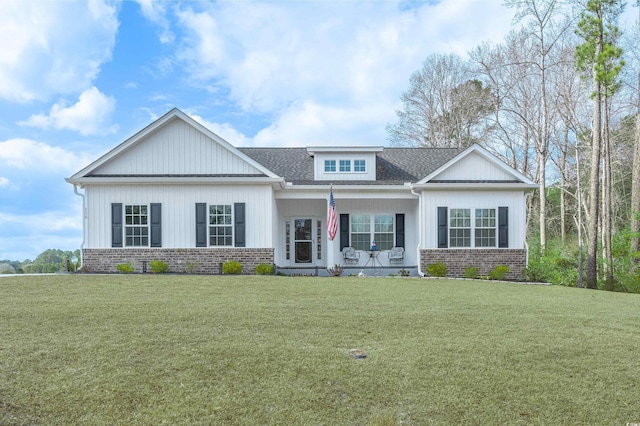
<point x="220" y="225"/>
<point x="359" y="166"/>
<point x="345" y="166"/>
<point x="329" y="165"/>
<point x="136" y="230"/>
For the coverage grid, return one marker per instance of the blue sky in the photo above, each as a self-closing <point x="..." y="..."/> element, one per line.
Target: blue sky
<point x="78" y="78"/>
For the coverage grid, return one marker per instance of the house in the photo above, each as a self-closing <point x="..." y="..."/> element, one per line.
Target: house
<point x="177" y="192"/>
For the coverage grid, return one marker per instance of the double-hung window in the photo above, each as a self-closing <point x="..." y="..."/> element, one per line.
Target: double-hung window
<point x="359" y="166"/>
<point x="383" y="231"/>
<point x="485" y="231"/>
<point x="476" y="231"/>
<point x="220" y="225"/>
<point x="361" y="231"/>
<point x="345" y="166"/>
<point x="460" y="228"/>
<point x="330" y="166"/>
<point x="136" y="229"/>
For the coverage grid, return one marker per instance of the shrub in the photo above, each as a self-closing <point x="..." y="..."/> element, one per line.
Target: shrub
<point x="232" y="267"/>
<point x="192" y="267"/>
<point x="336" y="271"/>
<point x="437" y="269"/>
<point x="264" y="269"/>
<point x="471" y="272"/>
<point x="404" y="273"/>
<point x="159" y="267"/>
<point x="125" y="268"/>
<point x="499" y="272"/>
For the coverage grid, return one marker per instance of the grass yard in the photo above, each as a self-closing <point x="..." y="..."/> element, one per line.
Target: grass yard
<point x="252" y="350"/>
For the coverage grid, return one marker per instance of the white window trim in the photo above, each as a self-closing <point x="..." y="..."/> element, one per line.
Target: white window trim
<point x="126" y="226"/>
<point x="473" y="227"/>
<point x="209" y="225"/>
<point x="372" y="229"/>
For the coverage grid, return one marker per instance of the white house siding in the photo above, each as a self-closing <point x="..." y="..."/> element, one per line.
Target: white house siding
<point x="515" y="200"/>
<point x="473" y="167"/>
<point x="177" y="148"/>
<point x="178" y="210"/>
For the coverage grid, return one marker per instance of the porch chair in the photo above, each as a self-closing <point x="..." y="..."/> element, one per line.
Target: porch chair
<point x="349" y="254"/>
<point x="396" y="254"/>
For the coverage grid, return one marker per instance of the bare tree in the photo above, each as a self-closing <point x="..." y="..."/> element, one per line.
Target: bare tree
<point x="443" y="107"/>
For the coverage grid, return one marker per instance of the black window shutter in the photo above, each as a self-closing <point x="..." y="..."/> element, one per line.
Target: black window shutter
<point x="239" y="224"/>
<point x="201" y="224"/>
<point x="503" y="227"/>
<point x="156" y="225"/>
<point x="116" y="225"/>
<point x="400" y="230"/>
<point x="443" y="228"/>
<point x="344" y="230"/>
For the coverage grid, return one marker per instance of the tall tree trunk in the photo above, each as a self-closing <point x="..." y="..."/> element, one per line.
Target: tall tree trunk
<point x="580" y="222"/>
<point x="594" y="187"/>
<point x="607" y="199"/>
<point x="635" y="187"/>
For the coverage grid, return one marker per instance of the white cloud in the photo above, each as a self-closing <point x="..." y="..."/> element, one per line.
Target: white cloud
<point x="53" y="47"/>
<point x="326" y="71"/>
<point x="156" y="12"/>
<point x="89" y="116"/>
<point x="4" y="181"/>
<point x="39" y="157"/>
<point x="224" y="130"/>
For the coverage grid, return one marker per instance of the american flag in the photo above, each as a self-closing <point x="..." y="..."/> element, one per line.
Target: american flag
<point x="332" y="217"/>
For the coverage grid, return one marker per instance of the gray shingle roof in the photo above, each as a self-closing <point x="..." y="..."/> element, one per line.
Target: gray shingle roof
<point x="395" y="166"/>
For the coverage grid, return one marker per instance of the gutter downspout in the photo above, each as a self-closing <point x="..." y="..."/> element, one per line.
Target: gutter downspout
<point x="420" y="272"/>
<point x="84" y="209"/>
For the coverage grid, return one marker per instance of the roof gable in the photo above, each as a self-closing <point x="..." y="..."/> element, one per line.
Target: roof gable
<point x="475" y="165"/>
<point x="174" y="145"/>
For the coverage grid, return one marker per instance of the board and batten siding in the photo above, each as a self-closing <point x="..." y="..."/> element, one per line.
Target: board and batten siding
<point x="473" y="167"/>
<point x="177" y="148"/>
<point x="515" y="200"/>
<point x="178" y="210"/>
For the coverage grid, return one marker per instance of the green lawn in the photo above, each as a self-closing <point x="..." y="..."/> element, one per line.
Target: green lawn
<point x="250" y="350"/>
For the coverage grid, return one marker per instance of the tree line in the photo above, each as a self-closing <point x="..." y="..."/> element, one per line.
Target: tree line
<point x="49" y="261"/>
<point x="559" y="100"/>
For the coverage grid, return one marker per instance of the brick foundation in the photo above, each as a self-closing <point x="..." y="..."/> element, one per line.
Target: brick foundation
<point x="180" y="260"/>
<point x="457" y="260"/>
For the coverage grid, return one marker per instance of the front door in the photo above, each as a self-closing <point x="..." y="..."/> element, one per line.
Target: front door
<point x="303" y="243"/>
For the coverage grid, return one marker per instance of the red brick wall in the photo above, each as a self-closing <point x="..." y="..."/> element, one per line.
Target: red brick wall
<point x="457" y="260"/>
<point x="180" y="260"/>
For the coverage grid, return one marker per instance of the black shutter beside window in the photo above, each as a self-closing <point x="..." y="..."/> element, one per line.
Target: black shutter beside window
<point x="239" y="224"/>
<point x="443" y="234"/>
<point x="503" y="227"/>
<point x="344" y="230"/>
<point x="156" y="224"/>
<point x="201" y="224"/>
<point x="116" y="225"/>
<point x="400" y="230"/>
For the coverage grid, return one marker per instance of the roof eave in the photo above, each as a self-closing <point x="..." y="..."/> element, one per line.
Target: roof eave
<point x="174" y="180"/>
<point x="476" y="186"/>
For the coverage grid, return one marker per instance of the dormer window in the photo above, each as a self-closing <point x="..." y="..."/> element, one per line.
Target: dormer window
<point x="355" y="163"/>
